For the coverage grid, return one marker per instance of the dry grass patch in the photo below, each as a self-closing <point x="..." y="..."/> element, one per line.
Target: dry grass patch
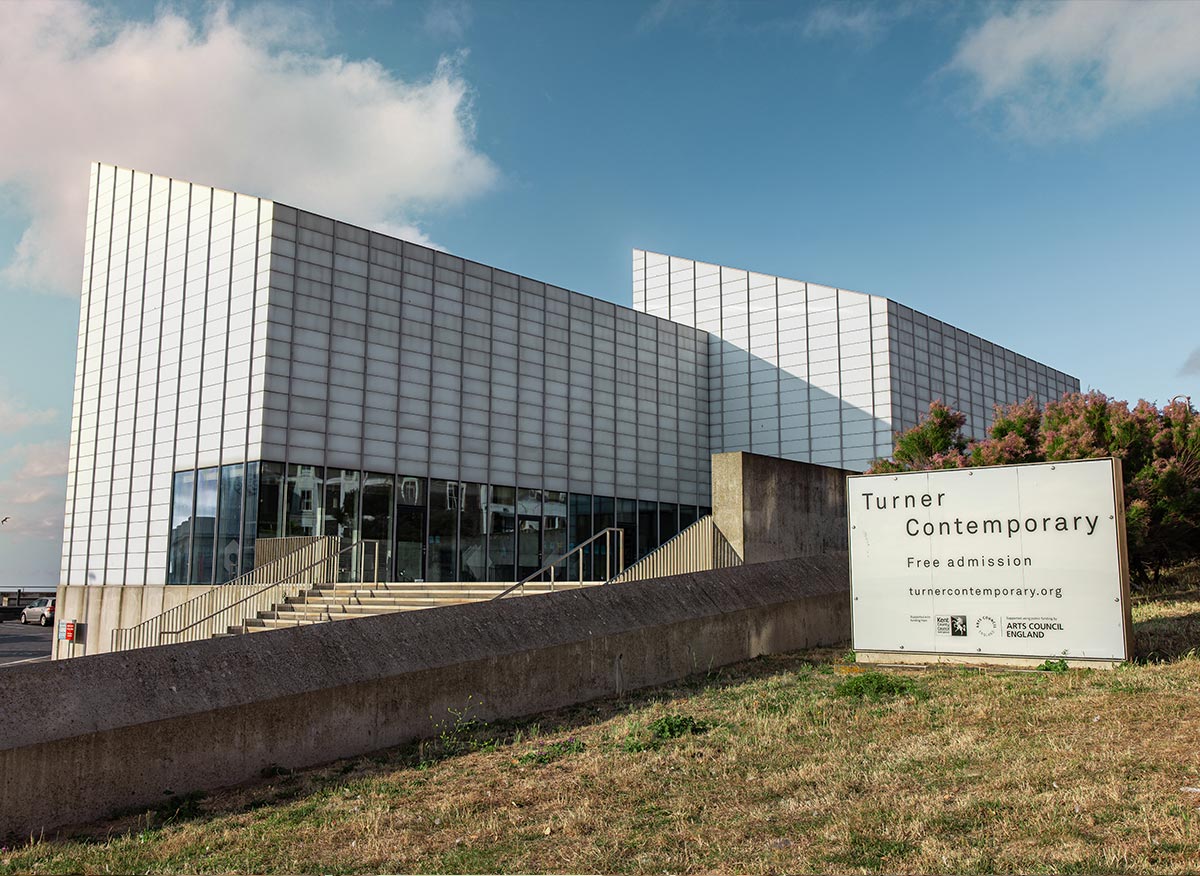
<point x="799" y="763"/>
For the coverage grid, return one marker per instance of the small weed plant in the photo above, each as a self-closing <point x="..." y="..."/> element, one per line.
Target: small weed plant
<point x="548" y="752"/>
<point x="674" y="726"/>
<point x="662" y="729"/>
<point x="1053" y="666"/>
<point x="458" y="734"/>
<point x="877" y="686"/>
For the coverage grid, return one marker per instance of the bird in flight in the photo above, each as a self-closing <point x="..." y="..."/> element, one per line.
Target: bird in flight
<point x="5" y="520"/>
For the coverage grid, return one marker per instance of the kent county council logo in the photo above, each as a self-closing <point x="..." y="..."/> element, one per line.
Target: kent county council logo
<point x="958" y="624"/>
<point x="986" y="626"/>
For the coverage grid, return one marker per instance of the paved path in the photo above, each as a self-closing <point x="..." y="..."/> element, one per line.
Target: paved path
<point x="24" y="643"/>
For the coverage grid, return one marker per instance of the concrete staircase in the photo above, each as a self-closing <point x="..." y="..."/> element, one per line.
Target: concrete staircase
<point x="331" y="602"/>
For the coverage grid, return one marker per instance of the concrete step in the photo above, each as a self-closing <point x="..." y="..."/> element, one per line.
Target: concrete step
<point x="260" y="623"/>
<point x="441" y="592"/>
<point x="385" y="604"/>
<point x="482" y="586"/>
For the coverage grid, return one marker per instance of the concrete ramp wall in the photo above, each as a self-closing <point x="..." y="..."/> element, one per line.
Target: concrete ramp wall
<point x="82" y="738"/>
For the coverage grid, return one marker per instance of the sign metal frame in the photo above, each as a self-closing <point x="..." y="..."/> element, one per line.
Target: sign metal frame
<point x="879" y="655"/>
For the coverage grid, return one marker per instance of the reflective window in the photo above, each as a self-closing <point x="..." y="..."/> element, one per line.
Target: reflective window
<point x="270" y="500"/>
<point x="443" y="529"/>
<point x="410" y="528"/>
<point x="340" y="513"/>
<point x="229" y="523"/>
<point x="647" y="527"/>
<point x="377" y="525"/>
<point x="627" y="521"/>
<point x="250" y="519"/>
<point x="668" y="521"/>
<point x="204" y="526"/>
<point x="502" y="531"/>
<point x="529" y="532"/>
<point x="554" y="525"/>
<point x="303" y="500"/>
<point x="579" y="530"/>
<point x="472" y="541"/>
<point x="182" y="500"/>
<point x="687" y="516"/>
<point x="603" y="517"/>
<point x="411" y="491"/>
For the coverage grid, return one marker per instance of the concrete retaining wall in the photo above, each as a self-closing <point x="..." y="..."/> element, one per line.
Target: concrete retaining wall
<point x="104" y="608"/>
<point x="81" y="738"/>
<point x="772" y="509"/>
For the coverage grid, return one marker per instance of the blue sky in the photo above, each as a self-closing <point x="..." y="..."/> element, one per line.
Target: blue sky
<point x="1026" y="172"/>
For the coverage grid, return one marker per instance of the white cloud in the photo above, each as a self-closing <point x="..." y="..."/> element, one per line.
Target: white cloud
<point x="16" y="415"/>
<point x="1075" y="68"/>
<point x="861" y="21"/>
<point x="250" y="102"/>
<point x="32" y="492"/>
<point x="47" y="459"/>
<point x="448" y="19"/>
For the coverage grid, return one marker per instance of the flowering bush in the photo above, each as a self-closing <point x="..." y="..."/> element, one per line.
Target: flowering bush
<point x="1159" y="452"/>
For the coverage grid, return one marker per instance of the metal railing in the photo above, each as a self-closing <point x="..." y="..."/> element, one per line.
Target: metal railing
<point x="610" y="535"/>
<point x="239" y="611"/>
<point x="701" y="547"/>
<point x="316" y="559"/>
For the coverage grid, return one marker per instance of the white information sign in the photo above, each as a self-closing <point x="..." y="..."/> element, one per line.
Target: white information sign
<point x="1013" y="561"/>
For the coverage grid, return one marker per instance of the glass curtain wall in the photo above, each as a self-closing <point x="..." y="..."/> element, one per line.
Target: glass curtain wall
<point x="249" y="515"/>
<point x="603" y="517"/>
<point x="579" y="530"/>
<point x="529" y="532"/>
<point x="270" y="500"/>
<point x="303" y="492"/>
<point x="502" y="532"/>
<point x="554" y="525"/>
<point x="341" y="518"/>
<point x="668" y="522"/>
<point x="182" y="502"/>
<point x="647" y="527"/>
<point x="472" y="535"/>
<point x="627" y="523"/>
<point x="425" y="530"/>
<point x="377" y="526"/>
<point x="204" y="526"/>
<point x="411" y="506"/>
<point x="229" y="523"/>
<point x="443" y="529"/>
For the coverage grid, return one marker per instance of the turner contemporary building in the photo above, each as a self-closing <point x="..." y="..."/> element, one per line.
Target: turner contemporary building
<point x="247" y="369"/>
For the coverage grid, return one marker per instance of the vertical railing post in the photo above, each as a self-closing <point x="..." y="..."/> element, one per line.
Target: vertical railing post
<point x="621" y="547"/>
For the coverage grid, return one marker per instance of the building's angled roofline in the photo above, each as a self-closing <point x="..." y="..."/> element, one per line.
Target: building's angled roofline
<point x="886" y="298"/>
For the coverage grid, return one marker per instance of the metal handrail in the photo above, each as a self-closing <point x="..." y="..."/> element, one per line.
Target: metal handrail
<point x="263" y="596"/>
<point x="606" y="534"/>
<point x="144" y="634"/>
<point x="698" y="547"/>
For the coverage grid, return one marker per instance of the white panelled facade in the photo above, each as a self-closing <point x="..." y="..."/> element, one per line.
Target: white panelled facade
<point x="825" y="375"/>
<point x="167" y="377"/>
<point x="247" y="370"/>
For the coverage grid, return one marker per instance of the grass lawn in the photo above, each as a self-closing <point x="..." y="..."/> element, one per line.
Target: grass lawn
<point x="800" y="763"/>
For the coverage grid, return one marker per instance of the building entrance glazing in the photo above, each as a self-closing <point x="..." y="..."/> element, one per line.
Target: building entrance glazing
<point x="423" y="529"/>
